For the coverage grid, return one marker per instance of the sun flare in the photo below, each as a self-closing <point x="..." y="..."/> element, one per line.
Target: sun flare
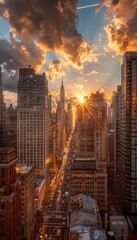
<point x="81" y="99"/>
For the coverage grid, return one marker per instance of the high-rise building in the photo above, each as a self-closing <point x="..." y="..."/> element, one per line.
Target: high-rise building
<point x="3" y="133"/>
<point x="99" y="112"/>
<point x="11" y="118"/>
<point x="128" y="133"/>
<point x="62" y="122"/>
<point x="25" y="174"/>
<point x="33" y="120"/>
<point x="1" y="99"/>
<point x="89" y="170"/>
<point x="10" y="196"/>
<point x="11" y="126"/>
<point x="116" y="126"/>
<point x="110" y="164"/>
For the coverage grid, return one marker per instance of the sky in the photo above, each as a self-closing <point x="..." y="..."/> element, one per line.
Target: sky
<point x="80" y="41"/>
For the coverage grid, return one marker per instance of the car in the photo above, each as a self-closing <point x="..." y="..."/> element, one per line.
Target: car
<point x="62" y="202"/>
<point x="63" y="223"/>
<point x="43" y="202"/>
<point x="58" y="202"/>
<point x="52" y="215"/>
<point x="58" y="232"/>
<point x="50" y="237"/>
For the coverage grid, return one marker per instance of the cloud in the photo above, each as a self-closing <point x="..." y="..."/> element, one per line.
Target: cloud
<point x="10" y="98"/>
<point x="55" y="97"/>
<point x="79" y="86"/>
<point x="93" y="73"/>
<point x="122" y="31"/>
<point x="9" y="80"/>
<point x="17" y="54"/>
<point x="52" y="26"/>
<point x="54" y="70"/>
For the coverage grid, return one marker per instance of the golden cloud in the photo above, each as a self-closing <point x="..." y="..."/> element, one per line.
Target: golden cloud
<point x="122" y="31"/>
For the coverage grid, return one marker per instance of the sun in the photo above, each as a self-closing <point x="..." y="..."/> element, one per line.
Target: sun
<point x="81" y="99"/>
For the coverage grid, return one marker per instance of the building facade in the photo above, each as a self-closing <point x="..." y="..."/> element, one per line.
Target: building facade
<point x="89" y="169"/>
<point x="116" y="127"/>
<point x="128" y="133"/>
<point x="33" y="120"/>
<point x="25" y="174"/>
<point x="10" y="197"/>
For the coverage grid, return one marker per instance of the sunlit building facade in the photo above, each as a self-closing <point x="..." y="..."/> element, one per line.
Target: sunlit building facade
<point x="89" y="169"/>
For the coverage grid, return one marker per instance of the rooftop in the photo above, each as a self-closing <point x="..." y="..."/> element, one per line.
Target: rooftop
<point x="39" y="182"/>
<point x="118" y="220"/>
<point x="87" y="214"/>
<point x="80" y="165"/>
<point x="86" y="233"/>
<point x="23" y="169"/>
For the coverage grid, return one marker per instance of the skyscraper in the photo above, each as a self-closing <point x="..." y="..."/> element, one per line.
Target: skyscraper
<point x="61" y="117"/>
<point x="62" y="95"/>
<point x="1" y="100"/>
<point x="128" y="133"/>
<point x="89" y="170"/>
<point x="116" y="126"/>
<point x="3" y="132"/>
<point x="33" y="120"/>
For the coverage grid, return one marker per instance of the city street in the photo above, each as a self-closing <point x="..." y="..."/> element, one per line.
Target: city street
<point x="55" y="216"/>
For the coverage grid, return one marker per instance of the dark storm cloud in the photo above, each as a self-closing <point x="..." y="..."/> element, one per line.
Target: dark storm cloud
<point x="9" y="81"/>
<point x="17" y="54"/>
<point x="51" y="24"/>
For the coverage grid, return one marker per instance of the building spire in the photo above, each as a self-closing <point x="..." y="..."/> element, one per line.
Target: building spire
<point x="62" y="81"/>
<point x="62" y="94"/>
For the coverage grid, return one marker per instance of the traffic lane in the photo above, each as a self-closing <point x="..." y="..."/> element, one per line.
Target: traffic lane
<point x="54" y="226"/>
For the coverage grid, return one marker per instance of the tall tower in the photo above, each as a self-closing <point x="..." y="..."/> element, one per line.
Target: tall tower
<point x="128" y="133"/>
<point x="62" y="117"/>
<point x="62" y="95"/>
<point x="32" y="120"/>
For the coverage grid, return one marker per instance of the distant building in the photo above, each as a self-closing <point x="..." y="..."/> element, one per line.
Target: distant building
<point x="40" y="188"/>
<point x="110" y="164"/>
<point x="53" y="144"/>
<point x="116" y="127"/>
<point x="83" y="177"/>
<point x="3" y="131"/>
<point x="11" y="118"/>
<point x="33" y="120"/>
<point x="61" y="118"/>
<point x="10" y="197"/>
<point x="25" y="175"/>
<point x="119" y="226"/>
